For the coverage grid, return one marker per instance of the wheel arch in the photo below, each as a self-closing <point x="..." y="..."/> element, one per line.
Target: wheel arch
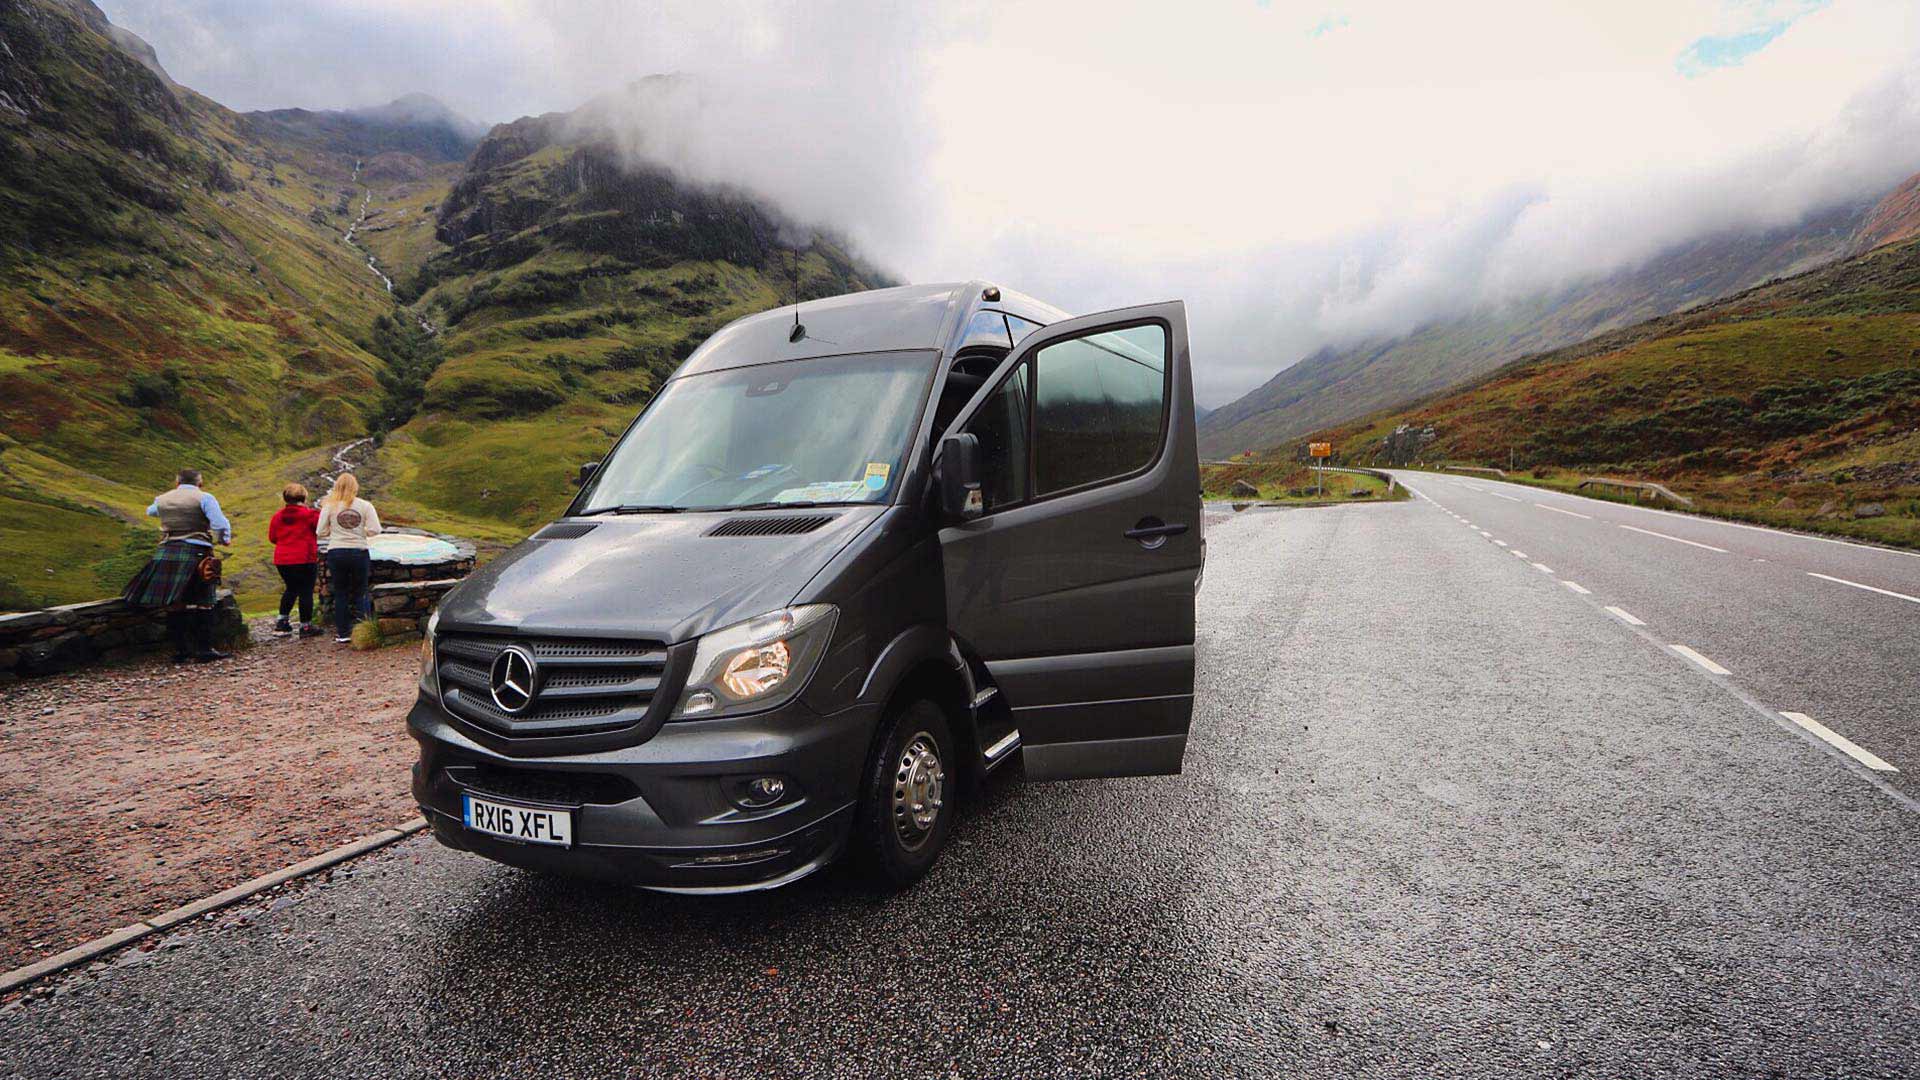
<point x="924" y="662"/>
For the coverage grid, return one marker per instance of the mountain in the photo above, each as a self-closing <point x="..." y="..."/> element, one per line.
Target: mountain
<point x="568" y="283"/>
<point x="183" y="284"/>
<point x="1338" y="383"/>
<point x="1793" y="403"/>
<point x="416" y="124"/>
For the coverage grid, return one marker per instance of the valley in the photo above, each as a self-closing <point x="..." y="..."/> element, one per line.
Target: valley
<point x="182" y="284"/>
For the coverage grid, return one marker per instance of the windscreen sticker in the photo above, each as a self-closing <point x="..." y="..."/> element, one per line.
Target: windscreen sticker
<point x="828" y="491"/>
<point x="877" y="472"/>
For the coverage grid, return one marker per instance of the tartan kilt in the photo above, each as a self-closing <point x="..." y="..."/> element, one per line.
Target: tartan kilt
<point x="168" y="579"/>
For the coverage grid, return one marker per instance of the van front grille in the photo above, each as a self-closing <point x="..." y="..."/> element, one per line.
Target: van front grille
<point x="580" y="685"/>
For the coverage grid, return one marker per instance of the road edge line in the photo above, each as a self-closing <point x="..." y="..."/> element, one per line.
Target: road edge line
<point x="126" y="935"/>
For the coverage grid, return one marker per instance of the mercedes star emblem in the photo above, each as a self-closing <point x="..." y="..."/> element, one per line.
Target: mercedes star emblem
<point x="512" y="679"/>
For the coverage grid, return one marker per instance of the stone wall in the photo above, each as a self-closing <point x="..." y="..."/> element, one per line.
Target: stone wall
<point x="99" y="631"/>
<point x="403" y="606"/>
<point x="382" y="572"/>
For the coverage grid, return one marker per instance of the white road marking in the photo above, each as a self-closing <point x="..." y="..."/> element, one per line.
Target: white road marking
<point x="1701" y="660"/>
<point x="1869" y="588"/>
<point x="1483" y="532"/>
<point x="1577" y="587"/>
<point x="1543" y="568"/>
<point x="1569" y="513"/>
<point x="1675" y="539"/>
<point x="1509" y="498"/>
<point x="1625" y="616"/>
<point x="1516" y="553"/>
<point x="1840" y="742"/>
<point x="1502" y="543"/>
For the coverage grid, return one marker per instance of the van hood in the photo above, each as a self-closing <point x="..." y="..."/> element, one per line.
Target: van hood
<point x="657" y="576"/>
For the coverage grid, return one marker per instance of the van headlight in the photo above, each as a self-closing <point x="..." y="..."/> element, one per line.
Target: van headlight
<point x="756" y="664"/>
<point x="429" y="677"/>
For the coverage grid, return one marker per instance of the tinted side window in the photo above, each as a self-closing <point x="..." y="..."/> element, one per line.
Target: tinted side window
<point x="1098" y="403"/>
<point x="1001" y="426"/>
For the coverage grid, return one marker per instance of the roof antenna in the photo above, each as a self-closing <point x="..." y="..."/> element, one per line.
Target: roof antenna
<point x="799" y="332"/>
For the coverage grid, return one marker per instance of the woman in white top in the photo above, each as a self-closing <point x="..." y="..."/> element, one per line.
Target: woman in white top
<point x="347" y="522"/>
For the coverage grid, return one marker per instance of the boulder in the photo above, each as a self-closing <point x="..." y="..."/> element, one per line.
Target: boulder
<point x="1786" y="503"/>
<point x="1243" y="490"/>
<point x="1869" y="510"/>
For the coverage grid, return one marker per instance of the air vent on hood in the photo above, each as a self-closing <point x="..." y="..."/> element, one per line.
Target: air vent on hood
<point x="769" y="526"/>
<point x="566" y="530"/>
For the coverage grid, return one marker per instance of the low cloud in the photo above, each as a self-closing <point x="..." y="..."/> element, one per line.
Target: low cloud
<point x="1299" y="189"/>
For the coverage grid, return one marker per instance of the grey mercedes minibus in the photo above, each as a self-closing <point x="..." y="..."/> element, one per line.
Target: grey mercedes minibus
<point x="854" y="555"/>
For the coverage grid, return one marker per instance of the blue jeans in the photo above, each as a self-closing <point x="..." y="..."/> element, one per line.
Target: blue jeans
<point x="347" y="572"/>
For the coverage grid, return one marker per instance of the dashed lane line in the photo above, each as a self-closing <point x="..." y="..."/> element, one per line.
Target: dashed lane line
<point x="1675" y="539"/>
<point x="1577" y="587"/>
<point x="1543" y="568"/>
<point x="1516" y="553"/>
<point x="1502" y="543"/>
<point x="1509" y="498"/>
<point x="1840" y="742"/>
<point x="1869" y="588"/>
<point x="1569" y="513"/>
<point x="1709" y="665"/>
<point x="1625" y="616"/>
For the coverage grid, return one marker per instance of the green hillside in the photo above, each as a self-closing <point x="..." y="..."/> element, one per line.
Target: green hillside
<point x="1796" y="403"/>
<point x="175" y="289"/>
<point x="1336" y="384"/>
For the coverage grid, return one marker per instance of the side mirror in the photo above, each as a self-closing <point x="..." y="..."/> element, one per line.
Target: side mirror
<point x="586" y="472"/>
<point x="960" y="477"/>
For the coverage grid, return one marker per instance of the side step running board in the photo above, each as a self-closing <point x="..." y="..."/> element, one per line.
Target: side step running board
<point x="999" y="751"/>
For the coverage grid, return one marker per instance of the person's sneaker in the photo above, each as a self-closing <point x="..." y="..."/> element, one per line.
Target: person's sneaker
<point x="211" y="655"/>
<point x="283" y="627"/>
<point x="343" y="641"/>
<point x="310" y="630"/>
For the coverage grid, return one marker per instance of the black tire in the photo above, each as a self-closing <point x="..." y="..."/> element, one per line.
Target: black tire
<point x="894" y="845"/>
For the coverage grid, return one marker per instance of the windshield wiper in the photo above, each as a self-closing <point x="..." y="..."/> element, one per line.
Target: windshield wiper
<point x="636" y="508"/>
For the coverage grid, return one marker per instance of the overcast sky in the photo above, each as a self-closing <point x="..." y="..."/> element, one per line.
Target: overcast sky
<point x="1300" y="173"/>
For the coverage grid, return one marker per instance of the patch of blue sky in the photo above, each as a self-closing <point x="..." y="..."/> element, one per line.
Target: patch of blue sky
<point x="1717" y="51"/>
<point x="1328" y="25"/>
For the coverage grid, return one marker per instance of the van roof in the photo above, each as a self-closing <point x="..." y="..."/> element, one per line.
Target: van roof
<point x="880" y="320"/>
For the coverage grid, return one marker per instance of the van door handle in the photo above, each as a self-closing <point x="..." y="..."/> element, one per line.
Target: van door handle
<point x="1152" y="532"/>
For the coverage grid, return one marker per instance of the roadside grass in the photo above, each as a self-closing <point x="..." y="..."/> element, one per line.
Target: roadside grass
<point x="1736" y="499"/>
<point x="1288" y="481"/>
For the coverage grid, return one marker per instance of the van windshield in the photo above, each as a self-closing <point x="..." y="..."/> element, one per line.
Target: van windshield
<point x="827" y="430"/>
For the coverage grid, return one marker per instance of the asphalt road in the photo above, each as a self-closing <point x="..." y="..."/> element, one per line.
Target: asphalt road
<point x="1811" y="625"/>
<point x="1442" y="816"/>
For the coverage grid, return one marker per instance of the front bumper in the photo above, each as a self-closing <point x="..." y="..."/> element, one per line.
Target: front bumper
<point x="663" y="813"/>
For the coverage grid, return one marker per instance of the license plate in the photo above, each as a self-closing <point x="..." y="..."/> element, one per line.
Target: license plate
<point x="527" y="824"/>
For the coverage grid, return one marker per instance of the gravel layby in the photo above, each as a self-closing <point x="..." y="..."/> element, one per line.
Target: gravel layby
<point x="130" y="791"/>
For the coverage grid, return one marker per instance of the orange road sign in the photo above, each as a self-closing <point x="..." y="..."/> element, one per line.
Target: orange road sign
<point x="1320" y="449"/>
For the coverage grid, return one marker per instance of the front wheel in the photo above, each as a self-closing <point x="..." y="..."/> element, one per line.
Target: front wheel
<point x="906" y="805"/>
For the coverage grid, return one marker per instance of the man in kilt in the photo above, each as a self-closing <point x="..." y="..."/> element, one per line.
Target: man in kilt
<point x="190" y="524"/>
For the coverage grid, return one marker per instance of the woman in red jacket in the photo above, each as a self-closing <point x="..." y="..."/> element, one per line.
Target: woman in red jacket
<point x="296" y="555"/>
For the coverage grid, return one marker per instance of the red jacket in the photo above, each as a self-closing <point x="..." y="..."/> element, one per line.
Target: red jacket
<point x="291" y="530"/>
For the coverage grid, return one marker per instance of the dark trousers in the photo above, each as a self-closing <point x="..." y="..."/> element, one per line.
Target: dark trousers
<point x="298" y="582"/>
<point x="191" y="631"/>
<point x="347" y="570"/>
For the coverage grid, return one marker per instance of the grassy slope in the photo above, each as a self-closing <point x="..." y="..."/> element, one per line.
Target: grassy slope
<point x="174" y="290"/>
<point x="1791" y="404"/>
<point x="563" y="307"/>
<point x="171" y="292"/>
<point x="1338" y="384"/>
